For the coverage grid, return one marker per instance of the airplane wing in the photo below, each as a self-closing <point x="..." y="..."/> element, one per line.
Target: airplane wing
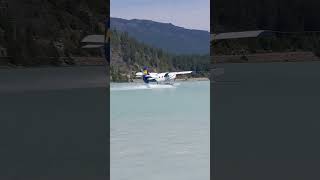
<point x="181" y="72"/>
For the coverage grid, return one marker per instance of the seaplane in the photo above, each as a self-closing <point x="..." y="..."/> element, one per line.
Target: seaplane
<point x="159" y="78"/>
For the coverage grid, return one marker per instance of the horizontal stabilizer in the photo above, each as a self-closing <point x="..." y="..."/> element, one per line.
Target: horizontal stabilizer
<point x="139" y="74"/>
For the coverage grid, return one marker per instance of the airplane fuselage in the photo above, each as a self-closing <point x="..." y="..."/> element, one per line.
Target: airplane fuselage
<point x="166" y="78"/>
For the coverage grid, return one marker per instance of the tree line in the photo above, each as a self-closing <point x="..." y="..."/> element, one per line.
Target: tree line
<point x="283" y="15"/>
<point x="294" y="17"/>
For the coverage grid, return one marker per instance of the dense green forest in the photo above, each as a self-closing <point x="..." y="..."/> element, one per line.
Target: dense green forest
<point x="278" y="43"/>
<point x="38" y="29"/>
<point x="294" y="17"/>
<point x="279" y="15"/>
<point x="129" y="56"/>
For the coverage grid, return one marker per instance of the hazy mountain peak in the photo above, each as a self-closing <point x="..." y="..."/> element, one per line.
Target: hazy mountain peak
<point x="167" y="36"/>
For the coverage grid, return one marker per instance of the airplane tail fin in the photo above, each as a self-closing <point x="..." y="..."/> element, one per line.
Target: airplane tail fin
<point x="145" y="70"/>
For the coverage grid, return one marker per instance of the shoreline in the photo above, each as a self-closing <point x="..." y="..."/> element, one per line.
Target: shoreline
<point x="45" y="79"/>
<point x="263" y="57"/>
<point x="76" y="62"/>
<point x="47" y="66"/>
<point x="267" y="57"/>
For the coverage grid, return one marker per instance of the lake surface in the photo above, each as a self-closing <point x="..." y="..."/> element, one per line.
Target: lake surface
<point x="266" y="121"/>
<point x="54" y="123"/>
<point x="160" y="132"/>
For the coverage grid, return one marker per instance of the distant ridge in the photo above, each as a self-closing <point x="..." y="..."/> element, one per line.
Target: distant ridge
<point x="166" y="36"/>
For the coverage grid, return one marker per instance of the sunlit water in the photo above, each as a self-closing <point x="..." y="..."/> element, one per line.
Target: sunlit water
<point x="160" y="131"/>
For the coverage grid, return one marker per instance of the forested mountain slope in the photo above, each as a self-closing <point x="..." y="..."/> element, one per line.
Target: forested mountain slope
<point x="166" y="36"/>
<point x="129" y="56"/>
<point x="293" y="18"/>
<point x="279" y="15"/>
<point x="49" y="28"/>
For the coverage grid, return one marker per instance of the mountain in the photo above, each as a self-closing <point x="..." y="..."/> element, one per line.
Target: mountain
<point x="166" y="36"/>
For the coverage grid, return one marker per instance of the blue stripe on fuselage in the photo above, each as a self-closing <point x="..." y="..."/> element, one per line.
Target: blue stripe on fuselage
<point x="145" y="79"/>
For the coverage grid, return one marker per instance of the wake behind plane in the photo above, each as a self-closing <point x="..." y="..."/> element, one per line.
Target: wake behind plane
<point x="159" y="78"/>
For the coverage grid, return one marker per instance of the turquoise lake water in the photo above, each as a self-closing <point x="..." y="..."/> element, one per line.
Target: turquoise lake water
<point x="265" y="116"/>
<point x="266" y="121"/>
<point x="53" y="123"/>
<point x="160" y="132"/>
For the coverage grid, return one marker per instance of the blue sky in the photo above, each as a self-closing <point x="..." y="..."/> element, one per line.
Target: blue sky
<point x="191" y="14"/>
